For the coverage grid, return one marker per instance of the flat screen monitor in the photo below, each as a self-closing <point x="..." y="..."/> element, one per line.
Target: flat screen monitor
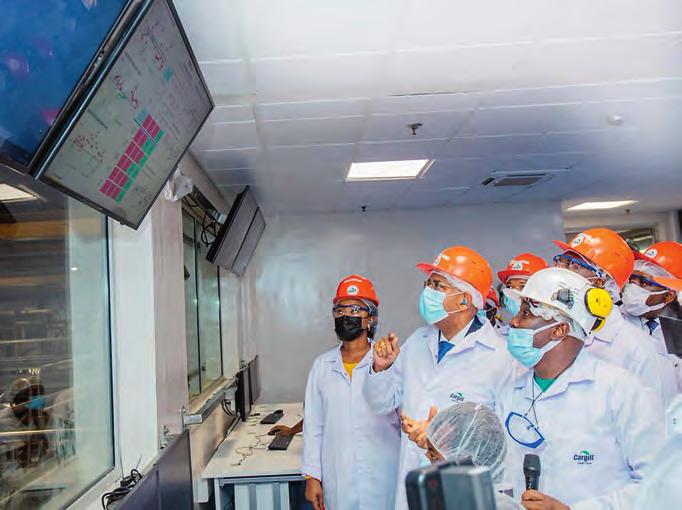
<point x="225" y="250"/>
<point x="243" y="396"/>
<point x="47" y="50"/>
<point x="136" y="122"/>
<point x="254" y="379"/>
<point x="144" y="495"/>
<point x="175" y="475"/>
<point x="249" y="245"/>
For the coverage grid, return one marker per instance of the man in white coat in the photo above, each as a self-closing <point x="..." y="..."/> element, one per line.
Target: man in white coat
<point x="350" y="453"/>
<point x="602" y="257"/>
<point x="654" y="285"/>
<point x="594" y="426"/>
<point x="457" y="357"/>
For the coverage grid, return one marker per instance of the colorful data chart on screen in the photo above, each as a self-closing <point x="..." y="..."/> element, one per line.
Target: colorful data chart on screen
<point x="144" y="114"/>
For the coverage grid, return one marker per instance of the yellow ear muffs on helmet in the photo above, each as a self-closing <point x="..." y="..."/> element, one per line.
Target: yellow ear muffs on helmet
<point x="599" y="303"/>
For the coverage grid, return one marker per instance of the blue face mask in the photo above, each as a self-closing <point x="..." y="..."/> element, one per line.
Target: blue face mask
<point x="431" y="305"/>
<point x="482" y="315"/>
<point x="520" y="345"/>
<point x="36" y="403"/>
<point x="513" y="306"/>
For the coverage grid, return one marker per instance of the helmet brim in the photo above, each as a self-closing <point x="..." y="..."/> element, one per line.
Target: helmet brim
<point x="671" y="283"/>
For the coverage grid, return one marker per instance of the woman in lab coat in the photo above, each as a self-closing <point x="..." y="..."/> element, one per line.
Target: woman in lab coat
<point x="350" y="453"/>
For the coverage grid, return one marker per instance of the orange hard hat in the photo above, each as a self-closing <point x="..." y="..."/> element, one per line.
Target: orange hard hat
<point x="356" y="287"/>
<point x="492" y="296"/>
<point x="465" y="264"/>
<point x="606" y="250"/>
<point x="667" y="254"/>
<point x="524" y="264"/>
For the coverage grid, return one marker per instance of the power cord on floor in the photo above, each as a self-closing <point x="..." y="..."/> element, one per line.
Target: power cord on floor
<point x="127" y="485"/>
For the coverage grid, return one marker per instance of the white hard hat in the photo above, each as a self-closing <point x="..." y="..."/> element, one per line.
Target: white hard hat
<point x="571" y="294"/>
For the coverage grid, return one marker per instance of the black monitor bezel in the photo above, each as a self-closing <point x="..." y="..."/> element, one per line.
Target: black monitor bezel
<point x="81" y="86"/>
<point x="217" y="244"/>
<point x="87" y="100"/>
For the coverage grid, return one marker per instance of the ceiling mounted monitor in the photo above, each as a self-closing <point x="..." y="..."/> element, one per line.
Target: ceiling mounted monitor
<point x="48" y="49"/>
<point x="136" y="122"/>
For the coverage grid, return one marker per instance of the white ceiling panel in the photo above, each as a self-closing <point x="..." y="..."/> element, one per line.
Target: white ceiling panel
<point x="227" y="78"/>
<point x="465" y="69"/>
<point x="448" y="23"/>
<point x="419" y="103"/>
<point x="310" y="78"/>
<point x="214" y="28"/>
<point x="396" y="151"/>
<point x="424" y="199"/>
<point x="532" y="119"/>
<point x="396" y="127"/>
<point x="590" y="140"/>
<point x="300" y="27"/>
<point x="312" y="109"/>
<point x="310" y="157"/>
<point x="499" y="145"/>
<point x="231" y="113"/>
<point x="232" y="135"/>
<point x="460" y="172"/>
<point x="312" y="131"/>
<point x="238" y="177"/>
<point x="229" y="159"/>
<point x="375" y="195"/>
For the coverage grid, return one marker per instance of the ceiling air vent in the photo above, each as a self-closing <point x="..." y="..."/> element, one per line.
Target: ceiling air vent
<point x="499" y="179"/>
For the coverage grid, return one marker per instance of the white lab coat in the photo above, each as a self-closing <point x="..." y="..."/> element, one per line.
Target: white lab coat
<point x="596" y="409"/>
<point x="349" y="448"/>
<point x="669" y="364"/>
<point x="471" y="371"/>
<point x="626" y="346"/>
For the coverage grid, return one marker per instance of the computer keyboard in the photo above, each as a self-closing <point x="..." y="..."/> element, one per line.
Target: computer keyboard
<point x="280" y="443"/>
<point x="272" y="418"/>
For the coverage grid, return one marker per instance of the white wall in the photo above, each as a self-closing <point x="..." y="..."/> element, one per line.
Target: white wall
<point x="665" y="224"/>
<point x="289" y="284"/>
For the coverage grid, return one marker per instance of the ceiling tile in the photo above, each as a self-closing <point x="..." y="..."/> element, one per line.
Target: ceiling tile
<point x="229" y="159"/>
<point x="312" y="131"/>
<point x="232" y="135"/>
<point x="423" y="199"/>
<point x="396" y="151"/>
<point x="376" y="195"/>
<point x="231" y="113"/>
<point x="227" y="78"/>
<point x="310" y="156"/>
<point x="419" y="103"/>
<point x="312" y="109"/>
<point x="499" y="145"/>
<point x="396" y="127"/>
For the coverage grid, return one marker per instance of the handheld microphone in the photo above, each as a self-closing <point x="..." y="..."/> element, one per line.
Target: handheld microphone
<point x="531" y="471"/>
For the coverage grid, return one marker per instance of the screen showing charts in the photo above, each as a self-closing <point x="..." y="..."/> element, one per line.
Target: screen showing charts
<point x="135" y="126"/>
<point x="45" y="48"/>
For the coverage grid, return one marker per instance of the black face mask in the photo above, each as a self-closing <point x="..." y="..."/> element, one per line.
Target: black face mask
<point x="348" y="328"/>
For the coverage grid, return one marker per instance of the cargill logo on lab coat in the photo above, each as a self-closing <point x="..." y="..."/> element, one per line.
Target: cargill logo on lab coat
<point x="457" y="396"/>
<point x="584" y="457"/>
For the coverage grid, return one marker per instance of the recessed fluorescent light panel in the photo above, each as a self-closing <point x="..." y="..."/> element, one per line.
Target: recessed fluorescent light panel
<point x="388" y="170"/>
<point x="11" y="194"/>
<point x="596" y="206"/>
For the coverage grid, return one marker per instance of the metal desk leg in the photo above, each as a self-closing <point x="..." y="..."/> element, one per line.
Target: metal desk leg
<point x="217" y="494"/>
<point x="262" y="496"/>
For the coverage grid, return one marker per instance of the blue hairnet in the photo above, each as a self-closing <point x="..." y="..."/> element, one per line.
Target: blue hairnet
<point x="470" y="429"/>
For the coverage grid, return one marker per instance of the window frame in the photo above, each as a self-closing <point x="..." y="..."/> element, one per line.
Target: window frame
<point x="199" y="220"/>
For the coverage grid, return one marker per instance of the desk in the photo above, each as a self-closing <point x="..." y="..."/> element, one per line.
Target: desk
<point x="260" y="477"/>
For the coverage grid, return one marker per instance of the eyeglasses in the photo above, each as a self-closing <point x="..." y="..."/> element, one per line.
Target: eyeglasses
<point x="523" y="431"/>
<point x="567" y="262"/>
<point x="438" y="286"/>
<point x="644" y="282"/>
<point x="349" y="310"/>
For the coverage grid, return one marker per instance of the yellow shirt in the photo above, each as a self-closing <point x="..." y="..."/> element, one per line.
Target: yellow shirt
<point x="349" y="368"/>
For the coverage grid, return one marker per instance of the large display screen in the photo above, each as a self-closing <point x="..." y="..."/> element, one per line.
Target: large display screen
<point x="141" y="116"/>
<point x="46" y="47"/>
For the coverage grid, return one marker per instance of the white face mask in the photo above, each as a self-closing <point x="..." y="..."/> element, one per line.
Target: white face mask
<point x="634" y="300"/>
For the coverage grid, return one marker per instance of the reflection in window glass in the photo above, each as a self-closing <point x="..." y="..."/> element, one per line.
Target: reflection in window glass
<point x="202" y="301"/>
<point x="209" y="319"/>
<point x="56" y="436"/>
<point x="191" y="310"/>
